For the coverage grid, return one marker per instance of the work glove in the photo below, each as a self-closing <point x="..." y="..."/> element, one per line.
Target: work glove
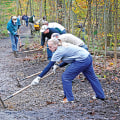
<point x="36" y="81"/>
<point x="54" y="68"/>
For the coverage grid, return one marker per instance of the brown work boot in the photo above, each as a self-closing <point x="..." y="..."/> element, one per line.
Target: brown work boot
<point x="41" y="47"/>
<point x="15" y="54"/>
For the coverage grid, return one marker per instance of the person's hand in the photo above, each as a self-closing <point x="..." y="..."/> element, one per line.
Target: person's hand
<point x="36" y="81"/>
<point x="54" y="68"/>
<point x="16" y="35"/>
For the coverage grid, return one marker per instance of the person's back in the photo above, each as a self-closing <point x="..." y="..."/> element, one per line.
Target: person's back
<point x="55" y="25"/>
<point x="69" y="38"/>
<point x="32" y="19"/>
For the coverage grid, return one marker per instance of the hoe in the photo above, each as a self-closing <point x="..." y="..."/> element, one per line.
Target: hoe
<point x="2" y="101"/>
<point x="18" y="81"/>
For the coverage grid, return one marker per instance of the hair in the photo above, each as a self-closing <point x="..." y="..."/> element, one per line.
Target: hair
<point x="44" y="17"/>
<point x="55" y="41"/>
<point x="55" y="35"/>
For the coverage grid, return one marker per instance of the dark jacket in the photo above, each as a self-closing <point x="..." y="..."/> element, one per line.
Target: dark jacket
<point x="48" y="35"/>
<point x="31" y="19"/>
<point x="25" y="17"/>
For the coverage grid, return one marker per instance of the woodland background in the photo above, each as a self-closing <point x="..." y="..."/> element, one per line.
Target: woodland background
<point x="100" y="30"/>
<point x="100" y="20"/>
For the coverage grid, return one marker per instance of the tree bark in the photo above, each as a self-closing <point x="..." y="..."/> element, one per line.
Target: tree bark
<point x="89" y="21"/>
<point x="116" y="31"/>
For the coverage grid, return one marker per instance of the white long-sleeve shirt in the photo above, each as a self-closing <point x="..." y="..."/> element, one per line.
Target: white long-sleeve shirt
<point x="55" y="25"/>
<point x="69" y="38"/>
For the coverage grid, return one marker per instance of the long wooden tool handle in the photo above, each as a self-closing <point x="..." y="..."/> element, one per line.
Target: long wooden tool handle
<point x="17" y="92"/>
<point x="20" y="44"/>
<point x="31" y="76"/>
<point x="26" y="87"/>
<point x="46" y="75"/>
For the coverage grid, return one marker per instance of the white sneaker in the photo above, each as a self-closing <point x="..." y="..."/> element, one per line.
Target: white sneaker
<point x="94" y="98"/>
<point x="66" y="101"/>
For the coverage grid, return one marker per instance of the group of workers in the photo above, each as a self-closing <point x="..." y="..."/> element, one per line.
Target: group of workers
<point x="65" y="47"/>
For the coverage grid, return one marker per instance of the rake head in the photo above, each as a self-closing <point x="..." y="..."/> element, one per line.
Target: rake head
<point x="3" y="103"/>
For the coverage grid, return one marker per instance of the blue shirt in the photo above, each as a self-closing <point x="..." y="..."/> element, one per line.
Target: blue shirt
<point x="69" y="54"/>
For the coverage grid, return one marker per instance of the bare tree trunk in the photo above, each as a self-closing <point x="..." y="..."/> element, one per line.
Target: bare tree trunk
<point x="116" y="31"/>
<point x="33" y="7"/>
<point x="40" y="9"/>
<point x="45" y="8"/>
<point x="69" y="16"/>
<point x="96" y="25"/>
<point x="17" y="4"/>
<point x="64" y="9"/>
<point x="83" y="24"/>
<point x="59" y="8"/>
<point x="30" y="8"/>
<point x="20" y="7"/>
<point x="105" y="33"/>
<point x="89" y="21"/>
<point x="27" y="7"/>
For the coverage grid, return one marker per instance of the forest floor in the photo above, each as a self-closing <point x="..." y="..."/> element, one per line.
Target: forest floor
<point x="43" y="102"/>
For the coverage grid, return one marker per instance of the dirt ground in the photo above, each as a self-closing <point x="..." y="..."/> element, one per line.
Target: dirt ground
<point x="42" y="102"/>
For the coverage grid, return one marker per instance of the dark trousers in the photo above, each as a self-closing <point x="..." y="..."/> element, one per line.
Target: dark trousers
<point x="86" y="68"/>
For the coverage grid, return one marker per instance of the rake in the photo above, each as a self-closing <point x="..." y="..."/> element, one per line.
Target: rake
<point x="2" y="101"/>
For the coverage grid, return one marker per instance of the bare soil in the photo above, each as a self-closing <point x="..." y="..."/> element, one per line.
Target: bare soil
<point x="43" y="102"/>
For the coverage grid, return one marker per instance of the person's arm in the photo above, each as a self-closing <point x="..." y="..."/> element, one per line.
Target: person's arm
<point x="62" y="64"/>
<point x="42" y="39"/>
<point x="58" y="65"/>
<point x="47" y="68"/>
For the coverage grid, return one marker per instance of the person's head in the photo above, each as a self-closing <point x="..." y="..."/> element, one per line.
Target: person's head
<point x="44" y="17"/>
<point x="55" y="35"/>
<point x="53" y="44"/>
<point x="45" y="22"/>
<point x="14" y="19"/>
<point x="44" y="29"/>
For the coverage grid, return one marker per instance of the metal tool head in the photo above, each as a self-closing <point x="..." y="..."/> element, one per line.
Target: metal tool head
<point x="18" y="83"/>
<point x="3" y="103"/>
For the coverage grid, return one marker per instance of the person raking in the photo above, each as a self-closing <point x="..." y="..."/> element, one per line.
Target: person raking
<point x="80" y="60"/>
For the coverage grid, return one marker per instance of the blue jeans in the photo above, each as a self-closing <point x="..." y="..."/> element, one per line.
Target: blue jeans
<point x="14" y="42"/>
<point x="26" y="23"/>
<point x="49" y="53"/>
<point x="73" y="70"/>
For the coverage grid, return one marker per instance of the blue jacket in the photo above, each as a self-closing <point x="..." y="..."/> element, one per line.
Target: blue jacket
<point x="13" y="28"/>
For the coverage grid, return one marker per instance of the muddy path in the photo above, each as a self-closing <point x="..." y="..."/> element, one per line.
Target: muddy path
<point x="43" y="101"/>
